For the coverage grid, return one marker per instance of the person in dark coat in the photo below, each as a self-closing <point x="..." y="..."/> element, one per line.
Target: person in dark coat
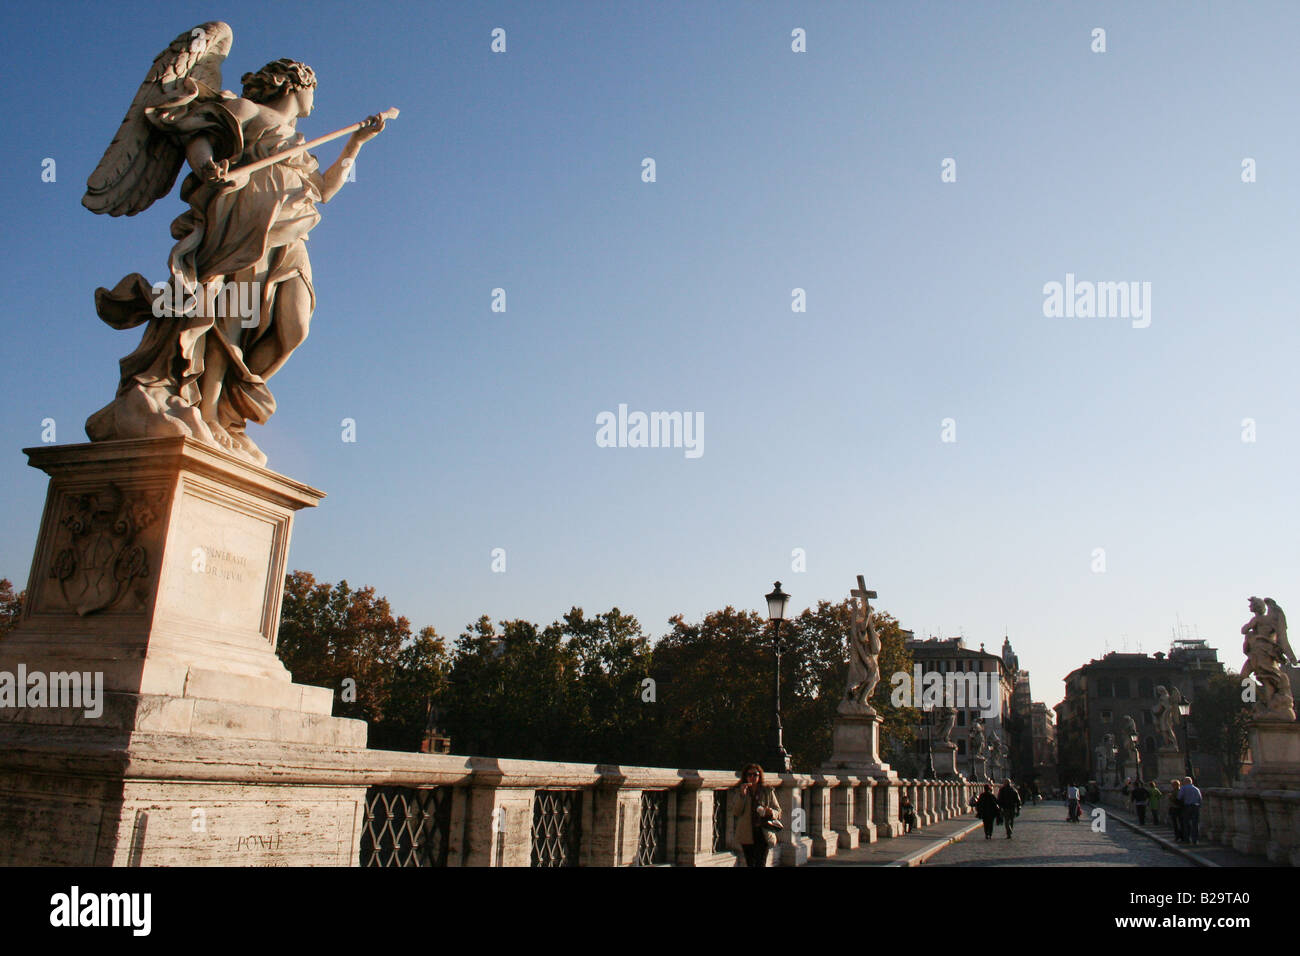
<point x="986" y="808"/>
<point x="1140" y="797"/>
<point x="1009" y="801"/>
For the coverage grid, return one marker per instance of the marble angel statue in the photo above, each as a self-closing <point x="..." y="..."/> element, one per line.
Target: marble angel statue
<point x="239" y="297"/>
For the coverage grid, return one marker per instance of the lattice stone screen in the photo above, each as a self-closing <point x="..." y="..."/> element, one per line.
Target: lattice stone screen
<point x="406" y="826"/>
<point x="557" y="827"/>
<point x="720" y="820"/>
<point x="652" y="845"/>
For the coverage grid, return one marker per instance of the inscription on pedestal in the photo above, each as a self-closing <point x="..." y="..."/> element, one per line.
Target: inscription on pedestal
<point x="217" y="564"/>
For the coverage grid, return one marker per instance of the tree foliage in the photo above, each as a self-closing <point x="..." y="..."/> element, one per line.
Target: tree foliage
<point x="11" y="606"/>
<point x="589" y="689"/>
<point x="1221" y="718"/>
<point x="348" y="640"/>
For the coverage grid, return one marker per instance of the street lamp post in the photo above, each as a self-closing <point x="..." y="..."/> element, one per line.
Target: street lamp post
<point x="776" y="604"/>
<point x="929" y="745"/>
<point x="1184" y="708"/>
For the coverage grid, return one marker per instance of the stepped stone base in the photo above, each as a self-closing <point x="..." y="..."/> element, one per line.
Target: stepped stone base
<point x="158" y="576"/>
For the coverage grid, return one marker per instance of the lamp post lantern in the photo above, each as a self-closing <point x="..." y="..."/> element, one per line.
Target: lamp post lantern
<point x="929" y="741"/>
<point x="776" y="605"/>
<point x="1184" y="708"/>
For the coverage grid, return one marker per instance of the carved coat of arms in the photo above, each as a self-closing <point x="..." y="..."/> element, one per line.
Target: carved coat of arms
<point x="101" y="556"/>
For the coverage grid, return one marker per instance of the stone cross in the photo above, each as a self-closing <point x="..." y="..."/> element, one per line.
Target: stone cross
<point x="863" y="594"/>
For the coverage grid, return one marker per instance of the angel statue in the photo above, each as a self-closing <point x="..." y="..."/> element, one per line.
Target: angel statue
<point x="1129" y="744"/>
<point x="1164" y="712"/>
<point x="864" y="652"/>
<point x="1268" y="653"/>
<point x="945" y="719"/>
<point x="239" y="298"/>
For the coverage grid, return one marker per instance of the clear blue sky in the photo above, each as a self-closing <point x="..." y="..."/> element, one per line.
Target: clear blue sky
<point x="775" y="170"/>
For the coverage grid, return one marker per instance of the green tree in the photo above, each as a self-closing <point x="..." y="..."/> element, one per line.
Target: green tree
<point x="715" y="690"/>
<point x="1221" y="719"/>
<point x="11" y="606"/>
<point x="416" y="684"/>
<point x="615" y="712"/>
<point x="509" y="693"/>
<point x="332" y="636"/>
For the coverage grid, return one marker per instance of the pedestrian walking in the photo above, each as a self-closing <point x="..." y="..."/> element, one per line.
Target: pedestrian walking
<point x="757" y="816"/>
<point x="907" y="813"/>
<point x="1176" y="810"/>
<point x="1072" y="803"/>
<point x="986" y="807"/>
<point x="1153" y="802"/>
<point x="1009" y="801"/>
<point x="1140" y="797"/>
<point x="1190" y="795"/>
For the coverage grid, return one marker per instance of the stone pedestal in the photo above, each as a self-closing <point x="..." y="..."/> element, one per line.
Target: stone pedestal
<point x="1275" y="755"/>
<point x="1169" y="765"/>
<point x="981" y="769"/>
<point x="945" y="761"/>
<point x="855" y="751"/>
<point x="855" y="743"/>
<point x="158" y="576"/>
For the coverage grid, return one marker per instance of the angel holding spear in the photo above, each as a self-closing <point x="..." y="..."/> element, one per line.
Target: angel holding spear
<point x="203" y="363"/>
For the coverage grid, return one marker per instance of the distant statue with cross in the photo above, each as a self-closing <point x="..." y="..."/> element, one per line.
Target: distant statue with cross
<point x="864" y="652"/>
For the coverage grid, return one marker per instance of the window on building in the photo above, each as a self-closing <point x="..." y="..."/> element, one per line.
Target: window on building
<point x="1147" y="719"/>
<point x="1150" y="744"/>
<point x="961" y="747"/>
<point x="1107" y="717"/>
<point x="1121" y="687"/>
<point x="1145" y="690"/>
<point x="961" y="718"/>
<point x="1105" y="687"/>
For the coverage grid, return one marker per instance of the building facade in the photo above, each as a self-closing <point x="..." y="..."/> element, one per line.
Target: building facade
<point x="1101" y="693"/>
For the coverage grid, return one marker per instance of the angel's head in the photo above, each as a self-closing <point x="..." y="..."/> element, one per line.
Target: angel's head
<point x="1256" y="606"/>
<point x="281" y="79"/>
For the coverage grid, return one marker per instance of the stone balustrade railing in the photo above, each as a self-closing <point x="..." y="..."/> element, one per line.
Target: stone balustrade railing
<point x="1260" y="822"/>
<point x="472" y="811"/>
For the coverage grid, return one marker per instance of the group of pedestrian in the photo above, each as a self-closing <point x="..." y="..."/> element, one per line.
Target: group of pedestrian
<point x="1184" y="805"/>
<point x="1003" y="808"/>
<point x="1185" y="810"/>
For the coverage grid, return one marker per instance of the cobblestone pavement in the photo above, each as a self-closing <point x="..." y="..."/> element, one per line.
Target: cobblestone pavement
<point x="1043" y="837"/>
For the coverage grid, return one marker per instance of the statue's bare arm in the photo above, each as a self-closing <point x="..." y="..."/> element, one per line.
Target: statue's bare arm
<point x="333" y="179"/>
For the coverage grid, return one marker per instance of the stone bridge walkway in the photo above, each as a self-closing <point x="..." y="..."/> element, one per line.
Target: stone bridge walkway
<point x="1043" y="837"/>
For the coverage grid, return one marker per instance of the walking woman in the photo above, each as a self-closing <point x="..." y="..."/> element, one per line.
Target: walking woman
<point x="753" y="808"/>
<point x="1153" y="800"/>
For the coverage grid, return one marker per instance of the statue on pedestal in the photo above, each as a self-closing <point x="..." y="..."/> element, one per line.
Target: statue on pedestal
<point x="864" y="653"/>
<point x="1164" y="712"/>
<point x="1106" y="753"/>
<point x="945" y="719"/>
<point x="1268" y="652"/>
<point x="1131" y="749"/>
<point x="239" y="297"/>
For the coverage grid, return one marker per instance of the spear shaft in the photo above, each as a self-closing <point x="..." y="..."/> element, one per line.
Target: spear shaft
<point x="311" y="144"/>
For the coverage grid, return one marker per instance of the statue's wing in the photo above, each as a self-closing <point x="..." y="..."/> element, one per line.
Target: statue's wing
<point x="142" y="162"/>
<point x="1278" y="619"/>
